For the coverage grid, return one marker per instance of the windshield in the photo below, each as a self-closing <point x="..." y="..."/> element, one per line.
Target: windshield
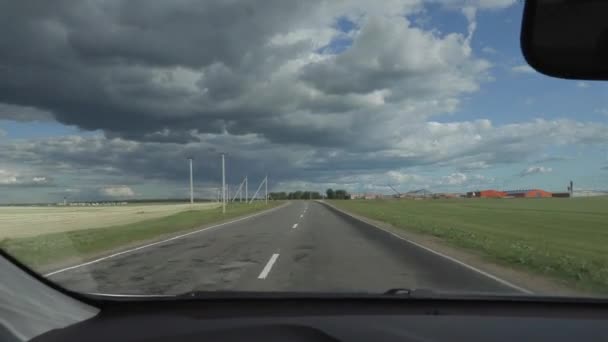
<point x="166" y="147"/>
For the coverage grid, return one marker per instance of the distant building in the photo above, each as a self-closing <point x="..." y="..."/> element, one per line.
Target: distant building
<point x="528" y="193"/>
<point x="445" y="195"/>
<point x="486" y="194"/>
<point x="365" y="196"/>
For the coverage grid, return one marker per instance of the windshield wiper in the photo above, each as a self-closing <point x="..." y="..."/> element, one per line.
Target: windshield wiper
<point x="411" y="293"/>
<point x="399" y="292"/>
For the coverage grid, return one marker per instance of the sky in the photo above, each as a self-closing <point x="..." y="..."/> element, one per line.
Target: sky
<point x="107" y="99"/>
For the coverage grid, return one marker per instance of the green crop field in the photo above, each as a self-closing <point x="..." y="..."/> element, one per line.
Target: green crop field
<point x="77" y="245"/>
<point x="564" y="238"/>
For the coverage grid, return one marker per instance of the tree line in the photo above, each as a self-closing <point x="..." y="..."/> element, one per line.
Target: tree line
<point x="304" y="195"/>
<point x="337" y="194"/>
<point x="296" y="195"/>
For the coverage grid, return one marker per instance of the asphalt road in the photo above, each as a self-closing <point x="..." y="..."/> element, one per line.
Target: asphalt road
<point x="303" y="246"/>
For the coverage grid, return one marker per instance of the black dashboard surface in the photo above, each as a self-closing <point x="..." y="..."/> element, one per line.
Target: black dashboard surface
<point x="340" y="321"/>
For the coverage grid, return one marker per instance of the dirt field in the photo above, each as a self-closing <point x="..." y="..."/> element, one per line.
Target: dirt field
<point x="16" y="222"/>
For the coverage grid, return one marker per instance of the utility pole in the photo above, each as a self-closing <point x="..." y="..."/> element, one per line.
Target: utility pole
<point x="266" y="190"/>
<point x="246" y="191"/>
<point x="223" y="185"/>
<point x="191" y="183"/>
<point x="255" y="195"/>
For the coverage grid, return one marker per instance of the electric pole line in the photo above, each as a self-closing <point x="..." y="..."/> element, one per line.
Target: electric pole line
<point x="239" y="192"/>
<point x="264" y="181"/>
<point x="266" y="186"/>
<point x="223" y="185"/>
<point x="191" y="183"/>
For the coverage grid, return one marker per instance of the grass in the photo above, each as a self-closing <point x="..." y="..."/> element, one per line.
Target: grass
<point x="562" y="238"/>
<point x="76" y="245"/>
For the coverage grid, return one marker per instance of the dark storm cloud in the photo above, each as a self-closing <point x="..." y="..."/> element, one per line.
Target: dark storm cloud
<point x="100" y="64"/>
<point x="164" y="70"/>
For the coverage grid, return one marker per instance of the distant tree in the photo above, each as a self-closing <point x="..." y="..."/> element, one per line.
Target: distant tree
<point x="296" y="195"/>
<point x="278" y="195"/>
<point x="330" y="193"/>
<point x="341" y="194"/>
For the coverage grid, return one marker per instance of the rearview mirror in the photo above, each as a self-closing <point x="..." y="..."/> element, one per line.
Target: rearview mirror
<point x="567" y="38"/>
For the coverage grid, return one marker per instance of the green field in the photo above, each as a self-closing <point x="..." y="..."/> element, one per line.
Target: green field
<point x="562" y="238"/>
<point x="75" y="246"/>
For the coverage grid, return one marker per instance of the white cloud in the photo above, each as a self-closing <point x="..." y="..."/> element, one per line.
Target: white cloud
<point x="21" y="179"/>
<point x="532" y="170"/>
<point x="462" y="146"/>
<point x="523" y="69"/>
<point x="454" y="179"/>
<point x="489" y="50"/>
<point x="8" y="177"/>
<point x="474" y="165"/>
<point x="117" y="191"/>
<point x="582" y="84"/>
<point x="602" y="111"/>
<point x="481" y="4"/>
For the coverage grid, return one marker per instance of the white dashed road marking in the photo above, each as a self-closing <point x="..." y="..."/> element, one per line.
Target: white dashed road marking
<point x="268" y="266"/>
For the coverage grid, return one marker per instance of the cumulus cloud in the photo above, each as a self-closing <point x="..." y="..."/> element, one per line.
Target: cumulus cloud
<point x="464" y="146"/>
<point x="133" y="71"/>
<point x="523" y="69"/>
<point x="533" y="170"/>
<point x="8" y="177"/>
<point x="582" y="84"/>
<point x="455" y="179"/>
<point x="458" y="178"/>
<point x="117" y="191"/>
<point x="14" y="178"/>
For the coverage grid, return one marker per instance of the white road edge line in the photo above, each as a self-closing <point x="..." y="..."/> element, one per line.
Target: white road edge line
<point x="268" y="266"/>
<point x="294" y="226"/>
<point x="472" y="268"/>
<point x="162" y="241"/>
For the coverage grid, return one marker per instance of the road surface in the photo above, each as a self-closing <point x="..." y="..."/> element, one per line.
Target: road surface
<point x="303" y="246"/>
